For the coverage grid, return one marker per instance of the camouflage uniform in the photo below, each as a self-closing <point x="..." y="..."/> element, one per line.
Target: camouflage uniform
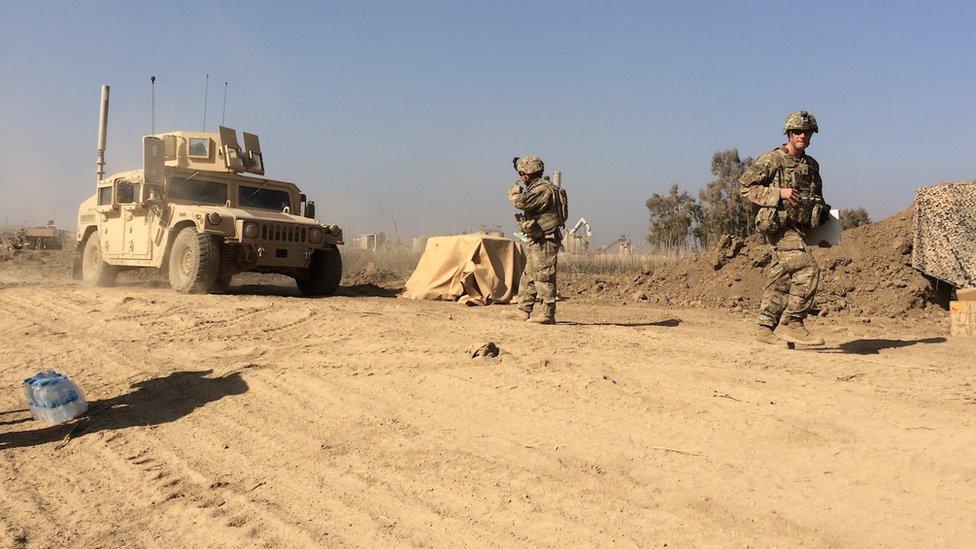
<point x="793" y="274"/>
<point x="541" y="251"/>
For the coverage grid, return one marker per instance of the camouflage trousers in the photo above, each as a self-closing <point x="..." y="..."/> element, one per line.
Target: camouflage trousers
<point x="793" y="279"/>
<point x="539" y="278"/>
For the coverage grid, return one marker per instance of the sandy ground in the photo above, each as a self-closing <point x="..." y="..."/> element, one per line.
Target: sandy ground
<point x="265" y="419"/>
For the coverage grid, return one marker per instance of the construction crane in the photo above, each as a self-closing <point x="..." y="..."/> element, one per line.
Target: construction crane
<point x="576" y="243"/>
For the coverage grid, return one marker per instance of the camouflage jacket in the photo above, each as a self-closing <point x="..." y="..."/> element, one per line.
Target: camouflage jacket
<point x="536" y="200"/>
<point x="778" y="169"/>
<point x="784" y="225"/>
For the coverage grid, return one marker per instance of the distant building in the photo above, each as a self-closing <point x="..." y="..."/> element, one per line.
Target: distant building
<point x="370" y="241"/>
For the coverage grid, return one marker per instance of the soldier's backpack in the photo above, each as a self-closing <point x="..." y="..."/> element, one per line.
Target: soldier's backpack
<point x="557" y="216"/>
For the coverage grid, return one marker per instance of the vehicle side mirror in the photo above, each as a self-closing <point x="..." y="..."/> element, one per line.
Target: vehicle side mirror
<point x="310" y="209"/>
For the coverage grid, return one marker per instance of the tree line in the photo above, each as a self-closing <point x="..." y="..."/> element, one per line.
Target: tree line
<point x="681" y="221"/>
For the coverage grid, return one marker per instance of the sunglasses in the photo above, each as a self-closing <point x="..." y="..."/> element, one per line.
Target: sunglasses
<point x="798" y="132"/>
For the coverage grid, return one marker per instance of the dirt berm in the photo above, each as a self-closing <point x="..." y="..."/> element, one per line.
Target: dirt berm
<point x="869" y="273"/>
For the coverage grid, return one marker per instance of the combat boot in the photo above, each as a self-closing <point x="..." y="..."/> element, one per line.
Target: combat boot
<point x="544" y="319"/>
<point x="517" y="314"/>
<point x="795" y="332"/>
<point x="764" y="334"/>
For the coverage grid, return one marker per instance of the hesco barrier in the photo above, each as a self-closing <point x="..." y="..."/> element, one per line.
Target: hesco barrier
<point x="944" y="240"/>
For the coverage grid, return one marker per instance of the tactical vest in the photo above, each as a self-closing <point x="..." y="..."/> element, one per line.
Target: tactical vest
<point x="801" y="177"/>
<point x="553" y="217"/>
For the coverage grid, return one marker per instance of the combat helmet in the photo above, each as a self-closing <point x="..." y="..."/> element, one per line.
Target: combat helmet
<point x="800" y="120"/>
<point x="529" y="164"/>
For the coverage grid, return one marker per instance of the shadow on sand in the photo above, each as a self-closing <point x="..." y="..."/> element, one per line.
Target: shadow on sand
<point x="357" y="290"/>
<point x="367" y="290"/>
<point x="874" y="346"/>
<point x="669" y="323"/>
<point x="151" y="402"/>
<point x="264" y="289"/>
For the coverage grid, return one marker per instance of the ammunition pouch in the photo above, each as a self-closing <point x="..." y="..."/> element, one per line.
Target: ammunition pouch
<point x="549" y="221"/>
<point x="769" y="220"/>
<point x="530" y="228"/>
<point x="801" y="215"/>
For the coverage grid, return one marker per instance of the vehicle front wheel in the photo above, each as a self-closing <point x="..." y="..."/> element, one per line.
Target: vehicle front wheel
<point x="194" y="261"/>
<point x="94" y="270"/>
<point x="324" y="273"/>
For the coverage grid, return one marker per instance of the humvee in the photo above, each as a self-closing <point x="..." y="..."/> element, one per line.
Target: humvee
<point x="199" y="211"/>
<point x="42" y="238"/>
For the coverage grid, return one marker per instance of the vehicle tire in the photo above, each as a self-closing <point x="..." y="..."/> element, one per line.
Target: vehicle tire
<point x="324" y="273"/>
<point x="193" y="262"/>
<point x="94" y="270"/>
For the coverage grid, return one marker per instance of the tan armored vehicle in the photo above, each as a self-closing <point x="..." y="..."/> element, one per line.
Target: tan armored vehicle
<point x="42" y="238"/>
<point x="194" y="213"/>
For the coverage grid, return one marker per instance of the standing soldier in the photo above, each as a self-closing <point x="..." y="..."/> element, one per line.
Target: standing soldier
<point x="544" y="214"/>
<point x="785" y="183"/>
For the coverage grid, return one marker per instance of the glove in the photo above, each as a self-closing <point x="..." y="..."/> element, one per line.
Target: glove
<point x="824" y="213"/>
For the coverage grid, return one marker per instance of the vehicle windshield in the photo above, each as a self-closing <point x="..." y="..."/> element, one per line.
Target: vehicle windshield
<point x="194" y="190"/>
<point x="258" y="197"/>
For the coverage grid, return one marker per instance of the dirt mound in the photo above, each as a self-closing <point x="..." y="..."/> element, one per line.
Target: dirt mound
<point x="371" y="275"/>
<point x="870" y="273"/>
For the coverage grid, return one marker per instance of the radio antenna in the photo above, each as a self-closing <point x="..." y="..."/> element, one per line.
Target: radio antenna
<point x="223" y="110"/>
<point x="206" y="92"/>
<point x="152" y="105"/>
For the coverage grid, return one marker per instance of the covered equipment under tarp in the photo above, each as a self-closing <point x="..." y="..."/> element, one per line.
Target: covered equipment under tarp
<point x="944" y="244"/>
<point x="474" y="269"/>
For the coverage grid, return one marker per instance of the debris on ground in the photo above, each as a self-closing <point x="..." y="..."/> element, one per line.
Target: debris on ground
<point x="489" y="350"/>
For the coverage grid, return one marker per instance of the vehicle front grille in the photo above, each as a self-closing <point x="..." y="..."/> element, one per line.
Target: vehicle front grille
<point x="274" y="232"/>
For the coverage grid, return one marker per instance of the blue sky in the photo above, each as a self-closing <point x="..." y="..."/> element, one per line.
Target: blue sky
<point x="413" y="110"/>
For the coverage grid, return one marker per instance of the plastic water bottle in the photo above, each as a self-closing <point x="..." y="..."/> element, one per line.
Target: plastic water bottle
<point x="29" y="396"/>
<point x="31" y="390"/>
<point x="72" y="400"/>
<point x="39" y="393"/>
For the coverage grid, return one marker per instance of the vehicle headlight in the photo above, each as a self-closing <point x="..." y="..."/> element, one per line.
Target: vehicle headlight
<point x="250" y="230"/>
<point x="213" y="218"/>
<point x="315" y="235"/>
<point x="334" y="230"/>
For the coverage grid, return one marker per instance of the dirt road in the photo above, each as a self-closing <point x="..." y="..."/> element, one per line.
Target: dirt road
<point x="274" y="420"/>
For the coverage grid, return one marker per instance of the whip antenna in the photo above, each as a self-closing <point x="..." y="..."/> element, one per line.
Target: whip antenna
<point x="223" y="110"/>
<point x="206" y="92"/>
<point x="152" y="105"/>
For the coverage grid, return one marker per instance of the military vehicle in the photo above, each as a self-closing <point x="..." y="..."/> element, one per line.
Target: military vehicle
<point x="42" y="238"/>
<point x="193" y="213"/>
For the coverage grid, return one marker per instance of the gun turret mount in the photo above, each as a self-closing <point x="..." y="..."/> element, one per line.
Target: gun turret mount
<point x="213" y="152"/>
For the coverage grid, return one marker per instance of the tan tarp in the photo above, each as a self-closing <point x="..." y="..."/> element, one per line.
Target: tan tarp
<point x="472" y="269"/>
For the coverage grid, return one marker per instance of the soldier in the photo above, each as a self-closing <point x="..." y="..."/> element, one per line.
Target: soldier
<point x="544" y="207"/>
<point x="785" y="183"/>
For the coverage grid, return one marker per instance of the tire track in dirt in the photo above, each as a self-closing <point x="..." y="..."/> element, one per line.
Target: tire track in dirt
<point x="467" y="519"/>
